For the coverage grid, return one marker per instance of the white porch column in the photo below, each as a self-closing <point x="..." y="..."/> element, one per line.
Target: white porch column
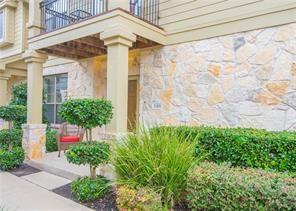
<point x="118" y="39"/>
<point x="34" y="131"/>
<point x="34" y="62"/>
<point x="3" y="89"/>
<point x="3" y="96"/>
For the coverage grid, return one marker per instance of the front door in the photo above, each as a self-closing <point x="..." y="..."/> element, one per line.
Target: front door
<point x="132" y="112"/>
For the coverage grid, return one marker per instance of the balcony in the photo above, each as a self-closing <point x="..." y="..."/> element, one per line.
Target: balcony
<point x="56" y="14"/>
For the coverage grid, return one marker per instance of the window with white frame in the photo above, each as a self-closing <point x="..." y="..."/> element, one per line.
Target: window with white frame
<point x="55" y="90"/>
<point x="1" y="25"/>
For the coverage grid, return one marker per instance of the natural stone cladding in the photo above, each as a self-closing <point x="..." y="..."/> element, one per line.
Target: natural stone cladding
<point x="245" y="79"/>
<point x="34" y="141"/>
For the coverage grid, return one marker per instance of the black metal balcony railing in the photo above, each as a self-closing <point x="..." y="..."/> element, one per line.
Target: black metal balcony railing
<point x="56" y="14"/>
<point x="59" y="13"/>
<point x="146" y="9"/>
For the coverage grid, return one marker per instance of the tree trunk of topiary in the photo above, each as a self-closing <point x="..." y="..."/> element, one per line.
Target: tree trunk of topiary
<point x="92" y="172"/>
<point x="88" y="134"/>
<point x="10" y="136"/>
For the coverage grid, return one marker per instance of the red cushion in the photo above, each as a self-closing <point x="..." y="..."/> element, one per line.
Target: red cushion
<point x="70" y="139"/>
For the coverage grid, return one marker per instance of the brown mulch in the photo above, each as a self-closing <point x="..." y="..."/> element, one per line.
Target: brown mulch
<point x="107" y="203"/>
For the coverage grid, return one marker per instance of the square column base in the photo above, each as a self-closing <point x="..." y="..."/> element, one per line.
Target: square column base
<point x="33" y="142"/>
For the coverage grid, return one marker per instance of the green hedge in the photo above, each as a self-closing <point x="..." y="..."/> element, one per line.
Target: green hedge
<point x="15" y="138"/>
<point x="242" y="147"/>
<point x="214" y="187"/>
<point x="51" y="141"/>
<point x="11" y="159"/>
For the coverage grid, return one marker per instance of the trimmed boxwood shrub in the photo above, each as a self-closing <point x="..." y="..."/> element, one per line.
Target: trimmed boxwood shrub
<point x="87" y="189"/>
<point x="15" y="137"/>
<point x="51" y="141"/>
<point x="242" y="147"/>
<point x="87" y="113"/>
<point x="214" y="187"/>
<point x="89" y="153"/>
<point x="10" y="159"/>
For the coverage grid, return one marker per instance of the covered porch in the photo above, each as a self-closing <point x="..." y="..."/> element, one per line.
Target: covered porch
<point x="12" y="70"/>
<point x="112" y="33"/>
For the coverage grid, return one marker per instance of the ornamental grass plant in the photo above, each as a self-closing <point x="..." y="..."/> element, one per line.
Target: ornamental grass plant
<point x="159" y="161"/>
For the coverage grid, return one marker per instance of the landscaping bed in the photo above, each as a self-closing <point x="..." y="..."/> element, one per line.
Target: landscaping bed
<point x="108" y="202"/>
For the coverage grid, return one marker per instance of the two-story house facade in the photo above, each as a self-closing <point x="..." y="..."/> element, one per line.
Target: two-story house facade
<point x="215" y="62"/>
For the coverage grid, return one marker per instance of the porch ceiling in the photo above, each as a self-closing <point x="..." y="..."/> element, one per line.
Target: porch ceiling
<point x="87" y="47"/>
<point x="82" y="39"/>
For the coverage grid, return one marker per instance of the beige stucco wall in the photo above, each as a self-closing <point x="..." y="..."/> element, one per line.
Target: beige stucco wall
<point x="245" y="79"/>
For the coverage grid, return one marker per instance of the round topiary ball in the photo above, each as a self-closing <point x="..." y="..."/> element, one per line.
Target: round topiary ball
<point x="93" y="153"/>
<point x="14" y="137"/>
<point x="10" y="159"/>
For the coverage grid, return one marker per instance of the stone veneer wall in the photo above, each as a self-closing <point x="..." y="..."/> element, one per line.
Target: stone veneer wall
<point x="245" y="79"/>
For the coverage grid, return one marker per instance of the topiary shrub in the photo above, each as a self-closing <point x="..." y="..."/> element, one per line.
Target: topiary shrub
<point x="87" y="189"/>
<point x="10" y="159"/>
<point x="19" y="97"/>
<point x="91" y="153"/>
<point x="156" y="160"/>
<point x="87" y="113"/>
<point x="241" y="146"/>
<point x="12" y="113"/>
<point x="51" y="144"/>
<point x="220" y="187"/>
<point x="141" y="199"/>
<point x="14" y="137"/>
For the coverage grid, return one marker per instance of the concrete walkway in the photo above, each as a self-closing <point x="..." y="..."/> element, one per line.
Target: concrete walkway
<point x="18" y="193"/>
<point x="59" y="166"/>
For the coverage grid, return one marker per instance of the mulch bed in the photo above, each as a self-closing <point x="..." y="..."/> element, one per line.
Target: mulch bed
<point x="107" y="203"/>
<point x="24" y="170"/>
